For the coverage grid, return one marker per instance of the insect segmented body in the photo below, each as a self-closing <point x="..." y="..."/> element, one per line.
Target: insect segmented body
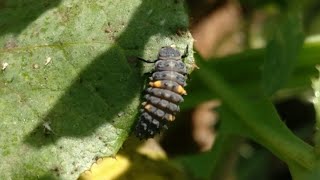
<point x="163" y="94"/>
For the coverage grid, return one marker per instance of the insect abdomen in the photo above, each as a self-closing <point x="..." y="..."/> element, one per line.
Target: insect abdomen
<point x="163" y="94"/>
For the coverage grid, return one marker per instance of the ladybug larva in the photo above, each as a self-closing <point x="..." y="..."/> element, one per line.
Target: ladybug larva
<point x="165" y="91"/>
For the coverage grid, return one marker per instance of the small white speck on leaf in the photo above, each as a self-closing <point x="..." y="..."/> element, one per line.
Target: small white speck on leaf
<point x="35" y="66"/>
<point x="120" y="114"/>
<point x="4" y="66"/>
<point x="48" y="60"/>
<point x="47" y="128"/>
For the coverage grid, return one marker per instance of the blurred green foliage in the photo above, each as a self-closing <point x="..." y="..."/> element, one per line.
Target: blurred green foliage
<point x="248" y="83"/>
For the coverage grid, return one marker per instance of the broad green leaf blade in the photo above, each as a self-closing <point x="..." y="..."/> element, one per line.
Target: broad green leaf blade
<point x="282" y="53"/>
<point x="68" y="92"/>
<point x="242" y="70"/>
<point x="259" y="121"/>
<point x="246" y="112"/>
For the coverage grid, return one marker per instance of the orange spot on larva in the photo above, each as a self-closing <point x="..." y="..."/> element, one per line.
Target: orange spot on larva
<point x="147" y="106"/>
<point x="156" y="84"/>
<point x="181" y="90"/>
<point x="171" y="117"/>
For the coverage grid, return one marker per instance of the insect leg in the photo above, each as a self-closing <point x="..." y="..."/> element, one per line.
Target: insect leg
<point x="146" y="61"/>
<point x="186" y="52"/>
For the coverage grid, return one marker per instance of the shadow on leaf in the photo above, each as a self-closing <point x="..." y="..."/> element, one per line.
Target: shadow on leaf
<point x="109" y="83"/>
<point x="16" y="15"/>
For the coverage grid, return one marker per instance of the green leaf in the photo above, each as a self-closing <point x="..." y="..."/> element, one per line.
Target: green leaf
<point x="242" y="70"/>
<point x="282" y="53"/>
<point x="257" y="119"/>
<point x="237" y="76"/>
<point x="68" y="92"/>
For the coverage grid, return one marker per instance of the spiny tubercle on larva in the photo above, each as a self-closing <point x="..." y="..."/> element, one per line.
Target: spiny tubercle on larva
<point x="165" y="91"/>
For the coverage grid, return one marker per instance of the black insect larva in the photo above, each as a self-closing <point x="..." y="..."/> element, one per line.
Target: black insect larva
<point x="163" y="94"/>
